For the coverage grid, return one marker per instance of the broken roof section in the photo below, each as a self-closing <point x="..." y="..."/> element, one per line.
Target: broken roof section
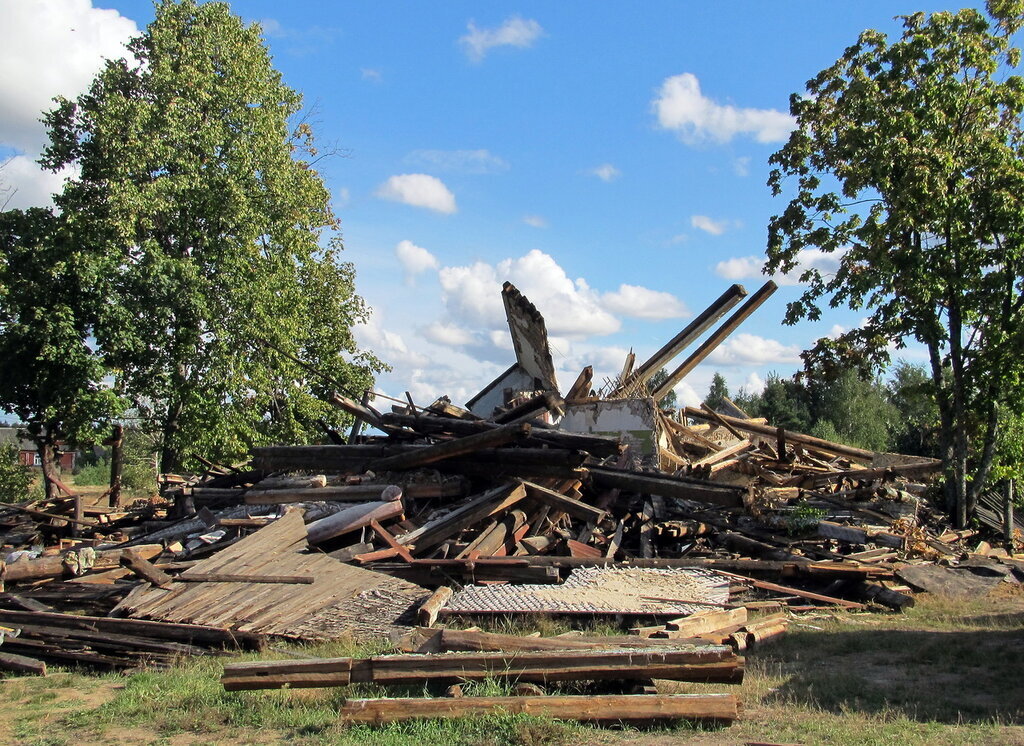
<point x="529" y="337"/>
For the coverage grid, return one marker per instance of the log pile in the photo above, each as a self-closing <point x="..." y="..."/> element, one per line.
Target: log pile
<point x="522" y="490"/>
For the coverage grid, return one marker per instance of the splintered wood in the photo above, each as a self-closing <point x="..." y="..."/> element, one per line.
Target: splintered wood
<point x="341" y="597"/>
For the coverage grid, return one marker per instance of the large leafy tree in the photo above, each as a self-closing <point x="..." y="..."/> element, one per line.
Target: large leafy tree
<point x="906" y="166"/>
<point x="196" y="188"/>
<point x="50" y="372"/>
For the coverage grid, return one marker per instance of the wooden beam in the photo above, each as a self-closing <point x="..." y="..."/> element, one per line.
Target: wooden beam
<point x="598" y="709"/>
<point x="684" y="338"/>
<point x="569" y="505"/>
<point x="752" y="304"/>
<point x="458" y="447"/>
<point x="493" y="501"/>
<point x="705" y="664"/>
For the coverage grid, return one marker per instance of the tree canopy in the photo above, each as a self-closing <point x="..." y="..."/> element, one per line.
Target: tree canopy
<point x="50" y="295"/>
<point x="197" y="196"/>
<point x="906" y="167"/>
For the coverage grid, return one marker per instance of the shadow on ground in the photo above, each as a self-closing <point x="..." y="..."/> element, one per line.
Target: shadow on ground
<point x="971" y="673"/>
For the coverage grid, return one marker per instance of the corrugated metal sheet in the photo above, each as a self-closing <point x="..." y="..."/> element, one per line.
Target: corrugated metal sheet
<point x="598" y="590"/>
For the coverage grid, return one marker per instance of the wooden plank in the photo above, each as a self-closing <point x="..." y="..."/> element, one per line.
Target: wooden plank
<point x="600" y="709"/>
<point x="21" y="664"/>
<point x="352" y="519"/>
<point x="569" y="505"/>
<point x="493" y="501"/>
<point x="459" y="447"/>
<point x="239" y="578"/>
<point x="749" y="426"/>
<point x="705" y="664"/>
<point x="706" y="621"/>
<point x="794" y="591"/>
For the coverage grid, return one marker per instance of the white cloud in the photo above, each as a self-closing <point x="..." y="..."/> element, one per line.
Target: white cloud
<point x="514" y="32"/>
<point x="535" y="221"/>
<point x="606" y="172"/>
<point x="750" y="349"/>
<point x="23" y="184"/>
<point x="479" y="161"/>
<point x="682" y="107"/>
<point x="686" y="396"/>
<point x="369" y="73"/>
<point x="741" y="166"/>
<point x="570" y="307"/>
<point x="754" y="384"/>
<point x="449" y="335"/>
<point x="387" y="345"/>
<point x="418" y="190"/>
<point x="51" y="48"/>
<point x="749" y="267"/>
<point x="415" y="259"/>
<point x="642" y="303"/>
<point x="706" y="224"/>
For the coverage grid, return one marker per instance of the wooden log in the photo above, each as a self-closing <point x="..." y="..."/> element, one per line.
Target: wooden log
<point x="459" y="447"/>
<point x="597" y="445"/>
<point x="666" y="486"/>
<point x="706" y="664"/>
<point x="352" y="519"/>
<point x="185" y="633"/>
<point x="426" y="615"/>
<point x="491" y="541"/>
<point x="569" y="505"/>
<point x="145" y="569"/>
<point x="717" y="337"/>
<point x="42" y="514"/>
<point x="344" y="493"/>
<point x="58" y="565"/>
<point x="493" y="501"/>
<point x="789" y="591"/>
<point x="21" y="664"/>
<point x="859" y="535"/>
<point x="706" y="621"/>
<point x="220" y="577"/>
<point x="687" y="336"/>
<point x="749" y="426"/>
<point x="599" y="709"/>
<point x="722" y="422"/>
<point x="726" y="453"/>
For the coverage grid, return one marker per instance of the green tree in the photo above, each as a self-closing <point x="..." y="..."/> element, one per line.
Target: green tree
<point x="849" y="409"/>
<point x="668" y="401"/>
<point x="718" y="392"/>
<point x="50" y="295"/>
<point x="783" y="403"/>
<point x="908" y="171"/>
<point x="910" y="392"/>
<point x="196" y="188"/>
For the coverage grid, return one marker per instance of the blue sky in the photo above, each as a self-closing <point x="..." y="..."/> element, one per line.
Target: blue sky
<point x="608" y="158"/>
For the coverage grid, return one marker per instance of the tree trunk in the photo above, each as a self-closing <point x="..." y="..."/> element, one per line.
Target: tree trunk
<point x="116" y="465"/>
<point x="170" y="454"/>
<point x="45" y="448"/>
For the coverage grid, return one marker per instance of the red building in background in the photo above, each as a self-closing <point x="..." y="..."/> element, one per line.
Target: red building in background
<point x="29" y="456"/>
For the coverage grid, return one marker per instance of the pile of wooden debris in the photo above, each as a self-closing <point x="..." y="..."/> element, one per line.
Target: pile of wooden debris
<point x="700" y="532"/>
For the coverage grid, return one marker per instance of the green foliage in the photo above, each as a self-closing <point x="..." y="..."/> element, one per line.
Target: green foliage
<point x="15" y="479"/>
<point x="668" y="401"/>
<point x="908" y="171"/>
<point x="50" y="295"/>
<point x="1009" y="460"/>
<point x="803" y="518"/>
<point x="718" y="392"/>
<point x="213" y="233"/>
<point x="911" y="392"/>
<point x="852" y="410"/>
<point x="783" y="402"/>
<point x="138" y="468"/>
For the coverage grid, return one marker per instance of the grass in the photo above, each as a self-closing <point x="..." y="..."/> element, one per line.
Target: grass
<point x="945" y="672"/>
